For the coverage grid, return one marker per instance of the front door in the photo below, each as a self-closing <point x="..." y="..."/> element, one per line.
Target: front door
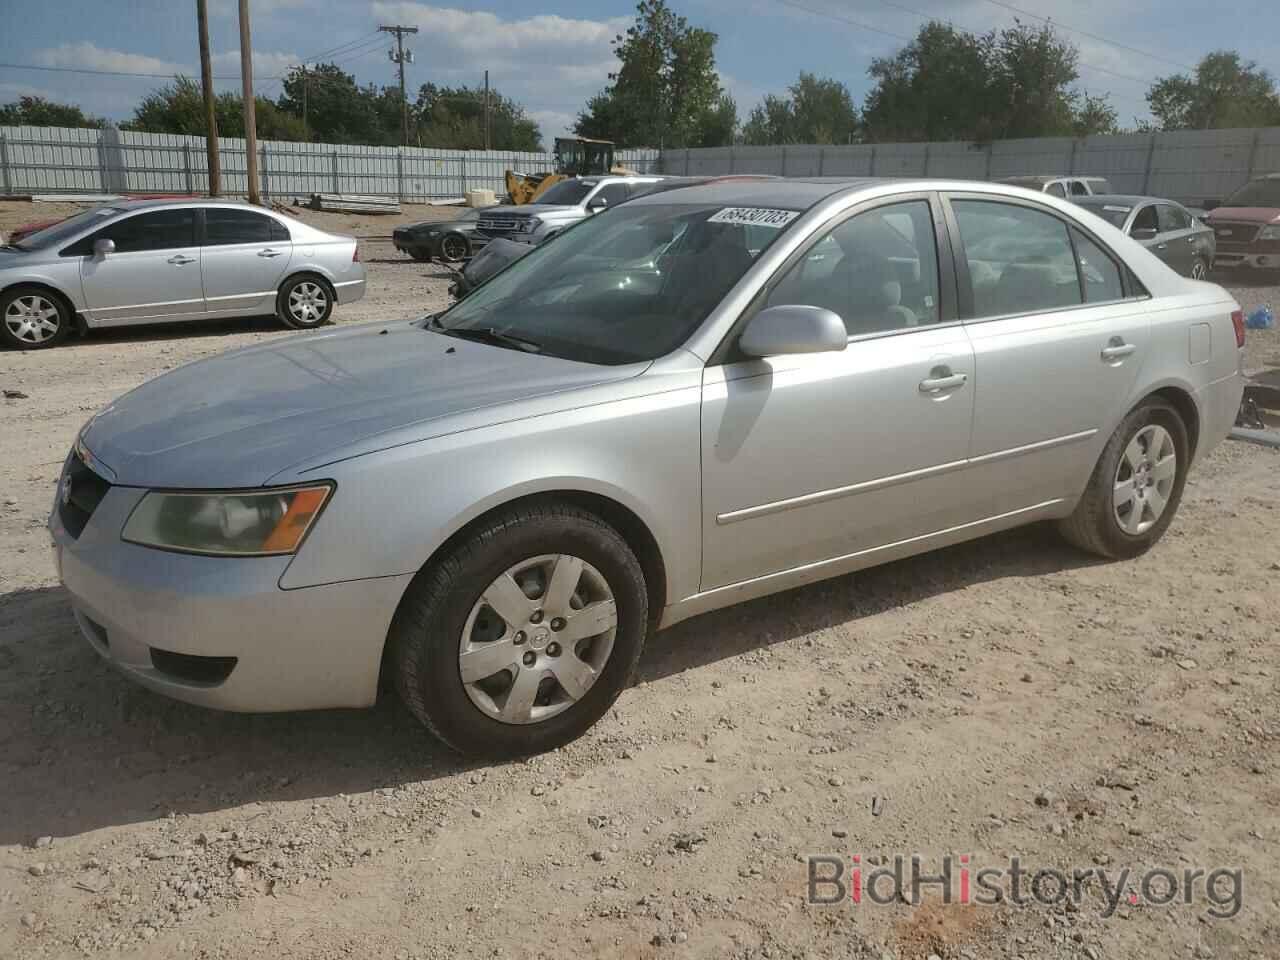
<point x="152" y="275"/>
<point x="1177" y="235"/>
<point x="817" y="457"/>
<point x="1057" y="345"/>
<point x="245" y="256"/>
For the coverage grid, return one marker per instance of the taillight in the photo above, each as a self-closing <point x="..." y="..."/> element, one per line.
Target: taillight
<point x="355" y="253"/>
<point x="1237" y="321"/>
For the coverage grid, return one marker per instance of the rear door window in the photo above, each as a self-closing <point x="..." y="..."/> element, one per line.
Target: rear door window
<point x="1056" y="190"/>
<point x="1172" y="218"/>
<point x="225" y="225"/>
<point x="1019" y="260"/>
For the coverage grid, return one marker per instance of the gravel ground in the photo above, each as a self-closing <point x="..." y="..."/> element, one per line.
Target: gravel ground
<point x="1008" y="697"/>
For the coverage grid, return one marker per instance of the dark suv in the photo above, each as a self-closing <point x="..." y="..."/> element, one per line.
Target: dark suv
<point x="1247" y="226"/>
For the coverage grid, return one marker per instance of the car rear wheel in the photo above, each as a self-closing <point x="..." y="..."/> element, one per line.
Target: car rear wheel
<point x="1200" y="269"/>
<point x="304" y="302"/>
<point x="32" y="318"/>
<point x="1136" y="486"/>
<point x="524" y="634"/>
<point x="454" y="248"/>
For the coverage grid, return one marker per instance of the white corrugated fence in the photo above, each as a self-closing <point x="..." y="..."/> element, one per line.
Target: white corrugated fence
<point x="59" y="160"/>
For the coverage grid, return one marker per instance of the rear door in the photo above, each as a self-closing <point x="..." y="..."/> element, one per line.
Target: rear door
<point x="245" y="255"/>
<point x="1177" y="235"/>
<point x="1057" y="338"/>
<point x="153" y="274"/>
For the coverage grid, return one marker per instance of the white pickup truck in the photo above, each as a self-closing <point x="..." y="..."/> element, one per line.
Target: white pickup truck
<point x="566" y="203"/>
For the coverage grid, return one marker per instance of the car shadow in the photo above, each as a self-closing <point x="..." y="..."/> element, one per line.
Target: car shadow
<point x="185" y="330"/>
<point x="81" y="748"/>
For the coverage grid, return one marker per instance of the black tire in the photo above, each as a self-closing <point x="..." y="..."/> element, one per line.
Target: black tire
<point x="422" y="256"/>
<point x="1093" y="525"/>
<point x="453" y="248"/>
<point x="1205" y="268"/>
<point x="288" y="312"/>
<point x="23" y="300"/>
<point x="426" y="631"/>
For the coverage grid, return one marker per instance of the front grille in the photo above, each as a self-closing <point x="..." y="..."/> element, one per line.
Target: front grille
<point x="1235" y="236"/>
<point x="501" y="224"/>
<point x="79" y="492"/>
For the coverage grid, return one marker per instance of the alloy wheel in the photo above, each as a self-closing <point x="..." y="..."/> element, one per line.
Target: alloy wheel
<point x="537" y="639"/>
<point x="453" y="248"/>
<point x="1198" y="270"/>
<point x="1144" y="479"/>
<point x="32" y="318"/>
<point x="308" y="302"/>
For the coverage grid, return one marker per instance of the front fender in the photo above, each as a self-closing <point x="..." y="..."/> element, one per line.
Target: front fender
<point x="67" y="286"/>
<point x="394" y="509"/>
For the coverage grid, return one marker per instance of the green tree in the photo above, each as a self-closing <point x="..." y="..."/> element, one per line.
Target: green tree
<point x="666" y="91"/>
<point x="453" y="118"/>
<point x="1225" y="91"/>
<point x="337" y="109"/>
<point x="816" y="110"/>
<point x="949" y="84"/>
<point x="39" y="112"/>
<point x="179" y="108"/>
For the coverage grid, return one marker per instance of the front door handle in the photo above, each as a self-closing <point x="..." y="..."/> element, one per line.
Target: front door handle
<point x="1117" y="350"/>
<point x="269" y="253"/>
<point x="948" y="381"/>
<point x="179" y="259"/>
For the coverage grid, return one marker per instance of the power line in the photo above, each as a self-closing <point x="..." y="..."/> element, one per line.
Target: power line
<point x="1092" y="36"/>
<point x="339" y="49"/>
<point x="101" y="73"/>
<point x="843" y="19"/>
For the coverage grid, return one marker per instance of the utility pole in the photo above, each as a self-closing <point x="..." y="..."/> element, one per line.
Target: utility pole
<point x="306" y="85"/>
<point x="210" y="114"/>
<point x="399" y="56"/>
<point x="486" y="109"/>
<point x="250" y="121"/>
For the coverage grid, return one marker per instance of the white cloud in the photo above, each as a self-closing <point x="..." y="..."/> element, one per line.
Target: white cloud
<point x="89" y="56"/>
<point x="266" y="63"/>
<point x="230" y="8"/>
<point x="549" y="64"/>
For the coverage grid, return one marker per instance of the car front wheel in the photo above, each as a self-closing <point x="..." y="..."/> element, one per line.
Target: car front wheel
<point x="454" y="248"/>
<point x="523" y="635"/>
<point x="304" y="302"/>
<point x="1200" y="269"/>
<point x="31" y="318"/>
<point x="1136" y="485"/>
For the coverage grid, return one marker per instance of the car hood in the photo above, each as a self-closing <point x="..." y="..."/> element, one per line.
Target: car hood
<point x="530" y="210"/>
<point x="1245" y="214"/>
<point x="240" y="418"/>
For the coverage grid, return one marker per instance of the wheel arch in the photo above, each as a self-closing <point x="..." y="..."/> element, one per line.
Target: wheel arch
<point x="1183" y="400"/>
<point x="309" y="270"/>
<point x="63" y="297"/>
<point x="633" y="529"/>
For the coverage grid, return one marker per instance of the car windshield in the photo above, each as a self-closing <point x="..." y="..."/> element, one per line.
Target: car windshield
<point x="568" y="192"/>
<point x="1256" y="193"/>
<point x="65" y="229"/>
<point x="1114" y="213"/>
<point x="621" y="287"/>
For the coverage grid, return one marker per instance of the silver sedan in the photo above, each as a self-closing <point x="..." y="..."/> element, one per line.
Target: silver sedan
<point x="697" y="398"/>
<point x="152" y="261"/>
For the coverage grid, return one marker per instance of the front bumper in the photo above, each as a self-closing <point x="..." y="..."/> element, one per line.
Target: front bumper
<point x="1253" y="261"/>
<point x="228" y="636"/>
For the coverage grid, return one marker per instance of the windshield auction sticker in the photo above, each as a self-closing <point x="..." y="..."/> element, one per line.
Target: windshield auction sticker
<point x="754" y="216"/>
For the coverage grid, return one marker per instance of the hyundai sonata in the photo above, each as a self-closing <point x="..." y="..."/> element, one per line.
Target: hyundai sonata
<point x="700" y="397"/>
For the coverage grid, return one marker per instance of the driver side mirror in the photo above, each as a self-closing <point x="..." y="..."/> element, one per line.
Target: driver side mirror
<point x="792" y="328"/>
<point x="103" y="246"/>
<point x="1143" y="234"/>
<point x="597" y="204"/>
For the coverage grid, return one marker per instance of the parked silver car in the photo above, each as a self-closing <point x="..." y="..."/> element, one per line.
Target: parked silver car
<point x="1167" y="229"/>
<point x="150" y="261"/>
<point x="497" y="504"/>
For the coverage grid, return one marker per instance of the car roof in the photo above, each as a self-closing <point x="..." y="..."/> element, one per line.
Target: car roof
<point x="1131" y="199"/>
<point x="134" y="205"/>
<point x="789" y="194"/>
<point x="1042" y="178"/>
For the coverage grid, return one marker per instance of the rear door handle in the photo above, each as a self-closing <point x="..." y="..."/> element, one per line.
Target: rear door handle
<point x="270" y="253"/>
<point x="179" y="259"/>
<point x="948" y="382"/>
<point x="1162" y="246"/>
<point x="1117" y="351"/>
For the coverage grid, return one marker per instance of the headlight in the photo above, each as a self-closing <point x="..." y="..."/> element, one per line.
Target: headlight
<point x="531" y="225"/>
<point x="1269" y="233"/>
<point x="250" y="523"/>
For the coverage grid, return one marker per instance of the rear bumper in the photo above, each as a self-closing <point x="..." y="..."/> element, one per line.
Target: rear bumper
<point x="227" y="635"/>
<point x="349" y="291"/>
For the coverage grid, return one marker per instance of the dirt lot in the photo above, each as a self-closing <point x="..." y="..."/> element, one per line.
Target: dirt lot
<point x="1009" y="697"/>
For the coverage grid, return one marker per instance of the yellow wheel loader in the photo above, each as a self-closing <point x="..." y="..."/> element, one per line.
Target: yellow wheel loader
<point x="575" y="157"/>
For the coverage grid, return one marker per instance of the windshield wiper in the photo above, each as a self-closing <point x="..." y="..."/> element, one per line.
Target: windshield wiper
<point x="487" y="335"/>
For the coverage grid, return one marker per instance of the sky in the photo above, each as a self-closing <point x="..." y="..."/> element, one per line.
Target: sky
<point x="551" y="55"/>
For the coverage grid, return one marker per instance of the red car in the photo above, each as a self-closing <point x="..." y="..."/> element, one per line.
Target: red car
<point x="1247" y="226"/>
